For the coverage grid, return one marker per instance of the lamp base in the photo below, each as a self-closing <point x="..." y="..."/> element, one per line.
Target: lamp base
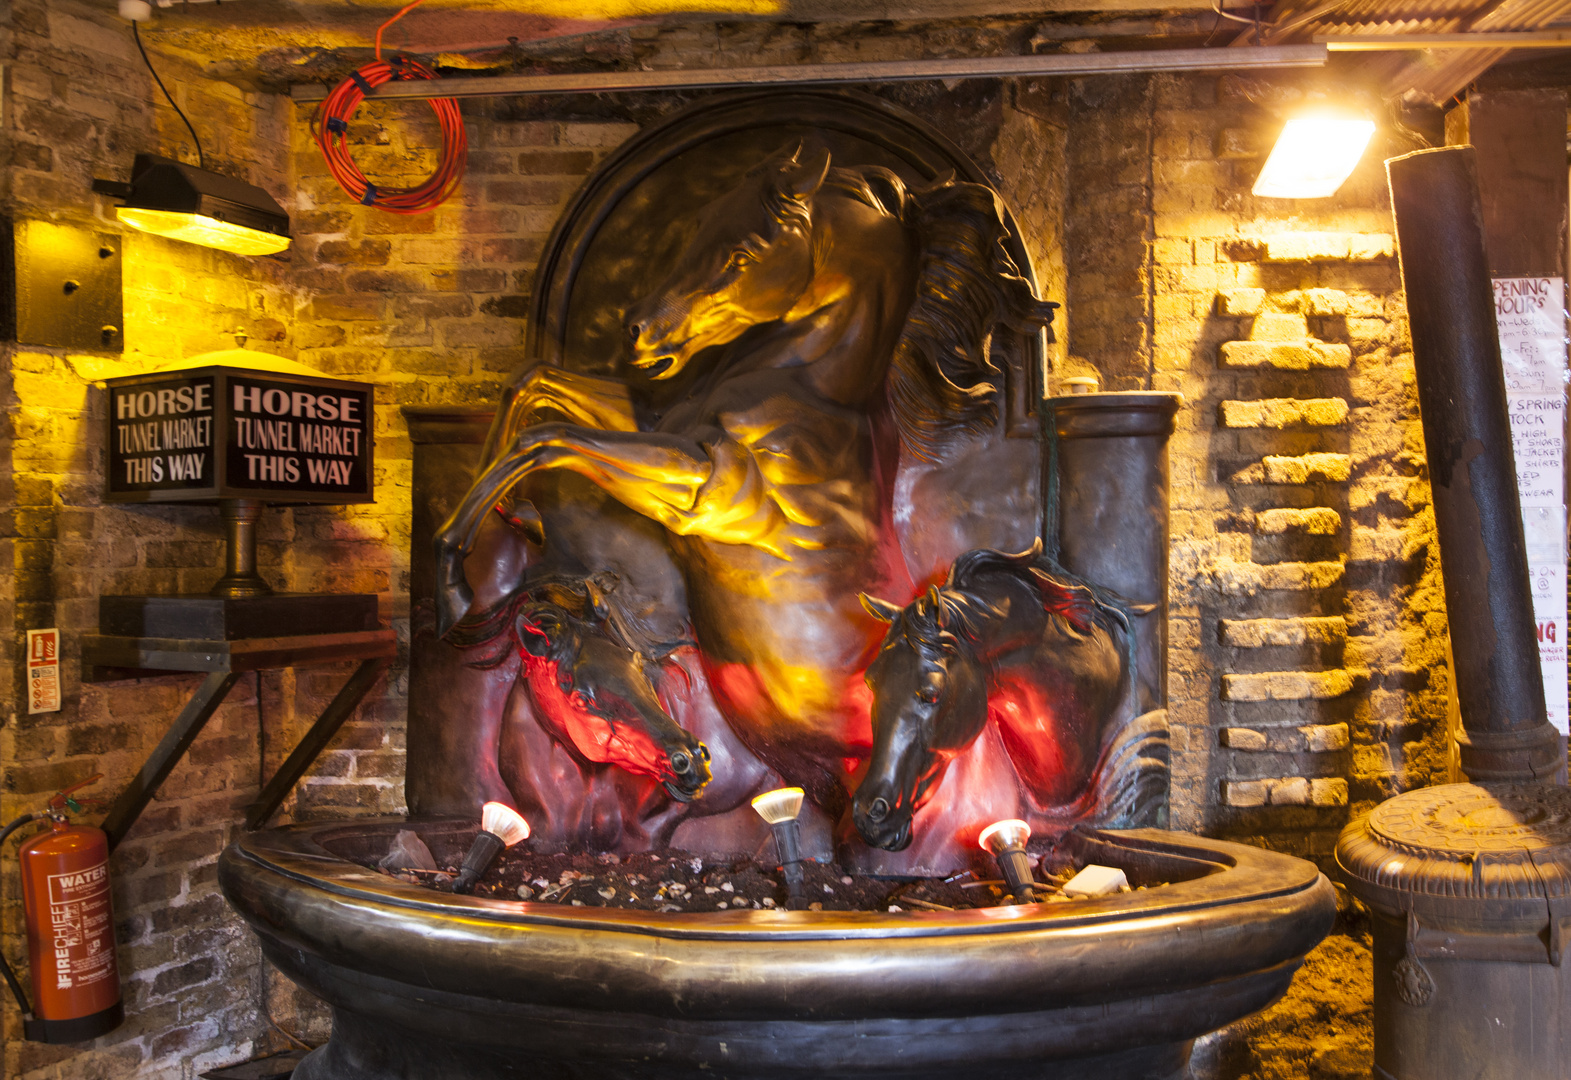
<point x="222" y="618"/>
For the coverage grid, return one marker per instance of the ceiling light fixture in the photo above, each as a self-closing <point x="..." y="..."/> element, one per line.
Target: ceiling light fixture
<point x="1314" y="156"/>
<point x="183" y="202"/>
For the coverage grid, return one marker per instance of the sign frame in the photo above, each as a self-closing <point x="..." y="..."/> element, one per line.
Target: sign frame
<point x="224" y="424"/>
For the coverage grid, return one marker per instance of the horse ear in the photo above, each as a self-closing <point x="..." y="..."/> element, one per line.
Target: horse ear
<point x="882" y="610"/>
<point x="937" y="603"/>
<point x="803" y="175"/>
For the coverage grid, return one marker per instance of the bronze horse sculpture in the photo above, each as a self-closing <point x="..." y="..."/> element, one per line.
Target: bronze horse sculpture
<point x="1005" y="640"/>
<point x="590" y="684"/>
<point x="837" y="319"/>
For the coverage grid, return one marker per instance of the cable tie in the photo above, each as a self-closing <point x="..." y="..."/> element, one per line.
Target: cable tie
<point x="365" y="88"/>
<point x="336" y="125"/>
<point x="370" y="194"/>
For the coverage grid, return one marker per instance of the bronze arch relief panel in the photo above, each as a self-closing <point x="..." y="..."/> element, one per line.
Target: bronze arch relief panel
<point x="773" y="502"/>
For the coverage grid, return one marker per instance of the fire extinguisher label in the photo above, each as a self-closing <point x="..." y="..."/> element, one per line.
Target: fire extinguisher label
<point x="79" y="916"/>
<point x="43" y="671"/>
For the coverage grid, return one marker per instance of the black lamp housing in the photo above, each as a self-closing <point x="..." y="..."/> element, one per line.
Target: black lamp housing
<point x="160" y="183"/>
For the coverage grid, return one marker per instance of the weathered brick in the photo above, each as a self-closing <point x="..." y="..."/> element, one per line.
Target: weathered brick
<point x="1286" y="685"/>
<point x="1330" y="791"/>
<point x="1240" y="301"/>
<point x="1313" y="521"/>
<point x="1263" y="633"/>
<point x="355" y="252"/>
<point x="1246" y="739"/>
<point x="1285" y="355"/>
<point x="1245" y="793"/>
<point x="1284" y="412"/>
<point x="1328" y="247"/>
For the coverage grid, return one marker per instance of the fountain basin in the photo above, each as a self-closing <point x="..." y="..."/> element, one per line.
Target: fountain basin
<point x="431" y="985"/>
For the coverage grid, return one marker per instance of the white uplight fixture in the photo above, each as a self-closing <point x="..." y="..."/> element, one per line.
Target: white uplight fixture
<point x="1314" y="156"/>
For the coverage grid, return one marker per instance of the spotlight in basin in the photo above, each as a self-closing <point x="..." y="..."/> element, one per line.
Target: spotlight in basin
<point x="780" y="808"/>
<point x="500" y="827"/>
<point x="1006" y="841"/>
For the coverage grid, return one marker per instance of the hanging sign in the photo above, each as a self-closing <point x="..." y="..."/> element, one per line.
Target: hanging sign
<point x="43" y="671"/>
<point x="1531" y="316"/>
<point x="202" y="434"/>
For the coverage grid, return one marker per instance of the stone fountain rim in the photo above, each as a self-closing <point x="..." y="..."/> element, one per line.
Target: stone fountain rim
<point x="299" y="852"/>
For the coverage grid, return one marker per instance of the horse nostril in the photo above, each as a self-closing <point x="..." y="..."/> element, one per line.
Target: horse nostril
<point x="703" y="751"/>
<point x="681" y="762"/>
<point x="635" y="329"/>
<point x="878" y="811"/>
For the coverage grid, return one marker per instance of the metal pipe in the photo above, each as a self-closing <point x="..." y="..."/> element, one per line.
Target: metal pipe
<point x="240" y="578"/>
<point x="1066" y="64"/>
<point x="1472" y="472"/>
<point x="1504" y="39"/>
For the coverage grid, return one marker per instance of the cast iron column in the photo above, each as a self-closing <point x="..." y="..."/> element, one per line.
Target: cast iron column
<point x="1462" y="397"/>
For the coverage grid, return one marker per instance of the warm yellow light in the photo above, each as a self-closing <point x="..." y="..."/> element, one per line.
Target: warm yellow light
<point x="197" y="229"/>
<point x="781" y="804"/>
<point x="1002" y="835"/>
<point x="1314" y="156"/>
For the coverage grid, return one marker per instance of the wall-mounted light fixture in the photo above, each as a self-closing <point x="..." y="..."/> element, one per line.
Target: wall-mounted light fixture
<point x="182" y="202"/>
<point x="1314" y="156"/>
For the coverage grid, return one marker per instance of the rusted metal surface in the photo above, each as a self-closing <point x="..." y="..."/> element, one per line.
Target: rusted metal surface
<point x="1462" y="398"/>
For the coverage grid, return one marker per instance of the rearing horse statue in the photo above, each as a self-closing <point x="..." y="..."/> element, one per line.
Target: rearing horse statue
<point x="835" y="319"/>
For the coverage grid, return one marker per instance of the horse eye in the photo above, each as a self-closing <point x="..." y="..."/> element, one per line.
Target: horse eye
<point x="738" y="260"/>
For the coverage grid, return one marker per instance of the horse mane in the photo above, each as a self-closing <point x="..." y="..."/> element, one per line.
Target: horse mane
<point x="939" y="384"/>
<point x="1075" y="602"/>
<point x="494" y="632"/>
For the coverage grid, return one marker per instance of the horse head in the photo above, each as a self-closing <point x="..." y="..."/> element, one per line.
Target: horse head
<point x="598" y="694"/>
<point x="929" y="704"/>
<point x="749" y="262"/>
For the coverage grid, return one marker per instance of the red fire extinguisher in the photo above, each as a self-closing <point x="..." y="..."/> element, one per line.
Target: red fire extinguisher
<point x="70" y="928"/>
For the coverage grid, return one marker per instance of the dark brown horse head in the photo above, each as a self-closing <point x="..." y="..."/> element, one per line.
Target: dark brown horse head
<point x="600" y="696"/>
<point x="749" y="262"/>
<point x="929" y="704"/>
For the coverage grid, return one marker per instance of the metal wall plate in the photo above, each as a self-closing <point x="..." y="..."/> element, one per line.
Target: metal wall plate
<point x="67" y="285"/>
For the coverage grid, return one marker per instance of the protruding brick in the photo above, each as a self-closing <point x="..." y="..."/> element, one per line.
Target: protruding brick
<point x="1325" y="302"/>
<point x="1314" y="520"/>
<point x="1330" y="791"/>
<point x="1325" y="738"/>
<point x="1264" y="633"/>
<point x="1240" y="301"/>
<point x="1286" y="685"/>
<point x="1245" y="792"/>
<point x="1279" y="326"/>
<point x="1329" y="247"/>
<point x="1284" y="355"/>
<point x="1284" y="412"/>
<point x="1245" y="739"/>
<point x="1290" y="791"/>
<point x="1301" y="470"/>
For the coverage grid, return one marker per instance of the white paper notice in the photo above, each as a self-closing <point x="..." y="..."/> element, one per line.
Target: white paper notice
<point x="1531" y="316"/>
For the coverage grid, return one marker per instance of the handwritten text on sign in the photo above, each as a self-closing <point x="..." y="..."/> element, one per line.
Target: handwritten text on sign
<point x="1531" y="316"/>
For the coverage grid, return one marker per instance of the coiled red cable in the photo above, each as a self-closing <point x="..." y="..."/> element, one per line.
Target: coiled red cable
<point x="330" y="126"/>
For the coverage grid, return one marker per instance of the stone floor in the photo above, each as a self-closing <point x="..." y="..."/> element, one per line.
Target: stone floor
<point x="1322" y="1030"/>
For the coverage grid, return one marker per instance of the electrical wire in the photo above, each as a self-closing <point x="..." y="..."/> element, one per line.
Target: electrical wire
<point x="136" y="33"/>
<point x="330" y="128"/>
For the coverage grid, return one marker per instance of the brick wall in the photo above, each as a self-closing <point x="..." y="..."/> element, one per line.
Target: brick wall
<point x="1307" y="660"/>
<point x="1307" y="671"/>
